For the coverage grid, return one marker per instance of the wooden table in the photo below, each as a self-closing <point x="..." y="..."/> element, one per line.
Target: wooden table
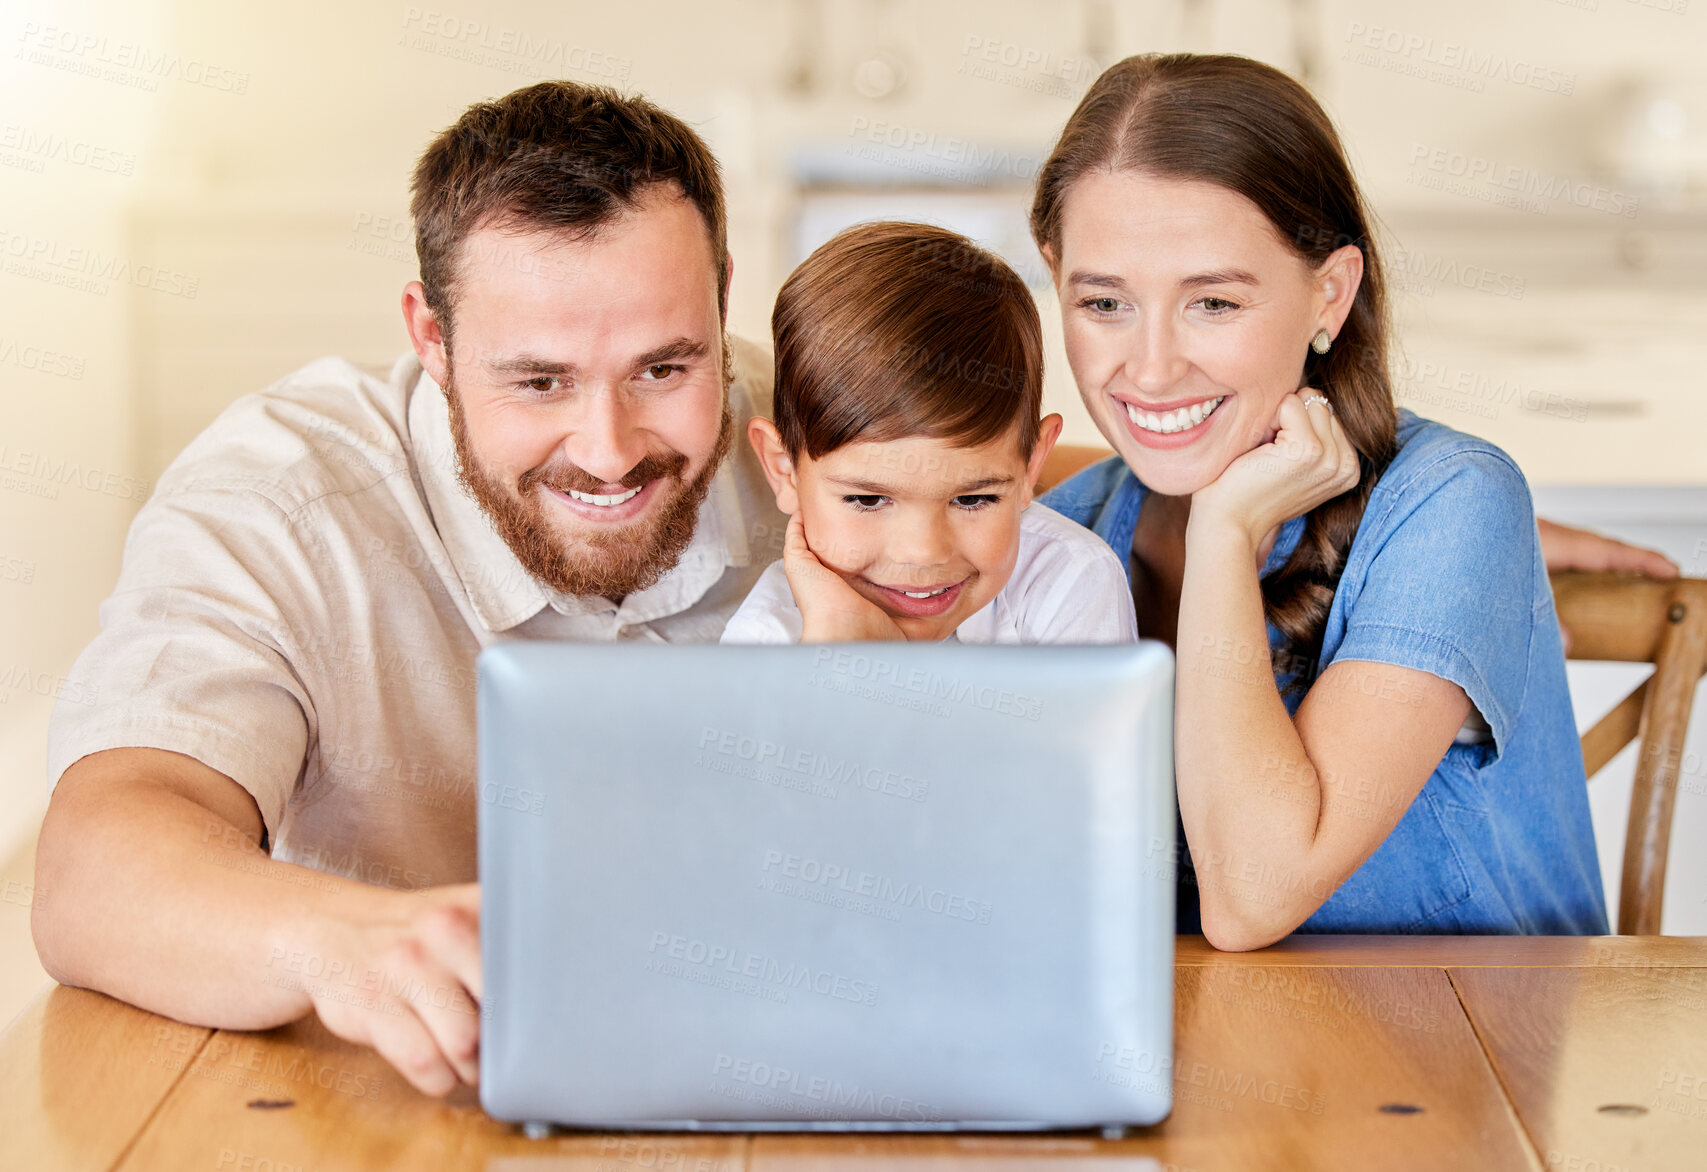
<point x="1373" y="1053"/>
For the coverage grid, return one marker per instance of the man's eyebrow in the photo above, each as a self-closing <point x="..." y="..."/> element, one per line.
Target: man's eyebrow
<point x="675" y="350"/>
<point x="530" y="364"/>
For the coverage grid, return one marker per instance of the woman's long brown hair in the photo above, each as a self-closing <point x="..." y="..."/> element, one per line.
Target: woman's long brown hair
<point x="1249" y="128"/>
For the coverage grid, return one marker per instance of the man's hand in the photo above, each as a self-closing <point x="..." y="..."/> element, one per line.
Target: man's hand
<point x="831" y="611"/>
<point x="402" y="976"/>
<point x="163" y="897"/>
<point x="1564" y="548"/>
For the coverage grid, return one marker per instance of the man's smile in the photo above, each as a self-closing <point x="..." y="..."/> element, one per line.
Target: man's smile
<point x="609" y="507"/>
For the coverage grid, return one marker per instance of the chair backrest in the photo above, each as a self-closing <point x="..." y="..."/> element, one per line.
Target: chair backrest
<point x="1065" y="459"/>
<point x="1634" y="619"/>
<point x="1607" y="616"/>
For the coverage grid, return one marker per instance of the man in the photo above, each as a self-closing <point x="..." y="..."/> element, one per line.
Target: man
<point x="279" y="777"/>
<point x="271" y="809"/>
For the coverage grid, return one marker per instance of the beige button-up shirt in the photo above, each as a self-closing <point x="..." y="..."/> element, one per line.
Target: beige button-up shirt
<point x="303" y="598"/>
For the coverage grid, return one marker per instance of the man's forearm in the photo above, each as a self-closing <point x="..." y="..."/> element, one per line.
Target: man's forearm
<point x="163" y="902"/>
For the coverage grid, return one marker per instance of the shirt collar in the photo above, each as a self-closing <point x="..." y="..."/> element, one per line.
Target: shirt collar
<point x="501" y="591"/>
<point x="1118" y="520"/>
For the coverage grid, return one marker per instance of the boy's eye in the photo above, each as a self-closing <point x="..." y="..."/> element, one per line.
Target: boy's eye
<point x="660" y="371"/>
<point x="978" y="500"/>
<point x="541" y="384"/>
<point x="865" y="504"/>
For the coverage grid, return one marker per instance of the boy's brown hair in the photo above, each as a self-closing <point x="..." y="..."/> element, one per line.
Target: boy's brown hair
<point x="892" y="330"/>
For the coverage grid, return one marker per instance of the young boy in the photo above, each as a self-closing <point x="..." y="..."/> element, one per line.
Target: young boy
<point x="906" y="447"/>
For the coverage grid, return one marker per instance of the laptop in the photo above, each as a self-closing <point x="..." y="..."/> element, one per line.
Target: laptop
<point x="888" y="887"/>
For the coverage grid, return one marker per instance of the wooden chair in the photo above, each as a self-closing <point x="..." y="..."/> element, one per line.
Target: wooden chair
<point x="1066" y="459"/>
<point x="1634" y="619"/>
<point x="1608" y="616"/>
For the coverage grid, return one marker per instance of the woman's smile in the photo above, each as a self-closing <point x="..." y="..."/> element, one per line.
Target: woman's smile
<point x="1174" y="427"/>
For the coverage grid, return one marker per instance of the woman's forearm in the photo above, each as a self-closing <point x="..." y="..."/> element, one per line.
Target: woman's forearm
<point x="1248" y="793"/>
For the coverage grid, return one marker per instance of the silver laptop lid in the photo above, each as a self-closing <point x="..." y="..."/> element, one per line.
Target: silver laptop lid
<point x="897" y="886"/>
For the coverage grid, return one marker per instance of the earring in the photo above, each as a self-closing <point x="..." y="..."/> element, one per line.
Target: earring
<point x="1321" y="342"/>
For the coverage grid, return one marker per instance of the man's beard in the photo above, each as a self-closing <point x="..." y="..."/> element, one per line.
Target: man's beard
<point x="600" y="563"/>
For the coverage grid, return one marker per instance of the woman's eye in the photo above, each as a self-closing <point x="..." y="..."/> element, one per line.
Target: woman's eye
<point x="865" y="504"/>
<point x="1217" y="305"/>
<point x="975" y="501"/>
<point x="659" y="371"/>
<point x="1101" y="304"/>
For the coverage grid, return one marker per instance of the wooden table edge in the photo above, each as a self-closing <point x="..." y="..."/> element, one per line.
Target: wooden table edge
<point x="1324" y="951"/>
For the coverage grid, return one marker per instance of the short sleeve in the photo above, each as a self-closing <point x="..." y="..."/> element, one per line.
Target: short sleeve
<point x="1073" y="588"/>
<point x="194" y="650"/>
<point x="768" y="615"/>
<point x="1447" y="585"/>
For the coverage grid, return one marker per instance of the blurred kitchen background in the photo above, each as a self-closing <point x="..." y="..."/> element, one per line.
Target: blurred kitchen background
<point x="197" y="197"/>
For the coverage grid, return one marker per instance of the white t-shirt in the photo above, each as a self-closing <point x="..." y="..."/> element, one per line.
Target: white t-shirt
<point x="1067" y="587"/>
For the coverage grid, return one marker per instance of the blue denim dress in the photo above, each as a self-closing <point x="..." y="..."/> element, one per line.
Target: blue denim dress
<point x="1445" y="576"/>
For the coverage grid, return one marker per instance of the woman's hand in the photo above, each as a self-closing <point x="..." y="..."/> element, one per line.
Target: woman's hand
<point x="831" y="611"/>
<point x="1307" y="460"/>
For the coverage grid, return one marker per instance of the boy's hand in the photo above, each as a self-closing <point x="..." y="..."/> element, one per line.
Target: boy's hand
<point x="831" y="611"/>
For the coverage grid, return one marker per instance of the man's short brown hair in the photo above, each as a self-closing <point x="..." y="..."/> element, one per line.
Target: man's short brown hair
<point x="557" y="156"/>
<point x="893" y="330"/>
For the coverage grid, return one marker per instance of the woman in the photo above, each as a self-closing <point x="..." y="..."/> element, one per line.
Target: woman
<point x="1373" y="731"/>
